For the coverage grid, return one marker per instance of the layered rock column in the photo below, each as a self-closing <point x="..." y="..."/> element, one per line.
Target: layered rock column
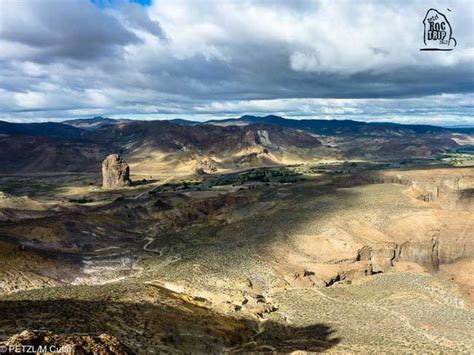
<point x="115" y="172"/>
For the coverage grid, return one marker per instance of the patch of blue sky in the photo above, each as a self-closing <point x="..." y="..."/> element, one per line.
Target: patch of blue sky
<point x="111" y="3"/>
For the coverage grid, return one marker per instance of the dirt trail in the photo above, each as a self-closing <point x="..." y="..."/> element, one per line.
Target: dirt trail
<point x="148" y="243"/>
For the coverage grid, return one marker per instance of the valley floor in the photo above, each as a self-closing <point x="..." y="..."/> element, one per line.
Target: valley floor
<point x="274" y="259"/>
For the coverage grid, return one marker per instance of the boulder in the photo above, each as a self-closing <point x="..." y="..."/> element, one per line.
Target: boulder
<point x="205" y="166"/>
<point x="115" y="172"/>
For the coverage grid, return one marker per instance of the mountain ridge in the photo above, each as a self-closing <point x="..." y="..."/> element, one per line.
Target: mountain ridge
<point x="317" y="126"/>
<point x="227" y="144"/>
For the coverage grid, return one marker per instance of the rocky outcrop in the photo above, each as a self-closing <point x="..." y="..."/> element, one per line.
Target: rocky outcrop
<point x="443" y="190"/>
<point x="421" y="239"/>
<point x="263" y="138"/>
<point x="115" y="172"/>
<point x="205" y="166"/>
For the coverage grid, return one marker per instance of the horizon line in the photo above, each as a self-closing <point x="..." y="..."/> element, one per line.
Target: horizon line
<point x="65" y="120"/>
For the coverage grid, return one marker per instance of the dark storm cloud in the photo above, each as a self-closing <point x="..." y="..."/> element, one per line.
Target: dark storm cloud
<point x="72" y="29"/>
<point x="187" y="58"/>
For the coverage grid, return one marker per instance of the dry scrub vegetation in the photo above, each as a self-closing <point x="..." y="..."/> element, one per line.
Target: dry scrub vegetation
<point x="340" y="257"/>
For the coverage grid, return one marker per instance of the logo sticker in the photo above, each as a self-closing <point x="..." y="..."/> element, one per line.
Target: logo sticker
<point x="438" y="33"/>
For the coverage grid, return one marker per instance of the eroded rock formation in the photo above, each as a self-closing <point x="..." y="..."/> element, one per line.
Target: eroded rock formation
<point x="205" y="166"/>
<point x="115" y="172"/>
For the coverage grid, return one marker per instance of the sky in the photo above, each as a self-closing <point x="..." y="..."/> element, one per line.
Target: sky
<point x="152" y="59"/>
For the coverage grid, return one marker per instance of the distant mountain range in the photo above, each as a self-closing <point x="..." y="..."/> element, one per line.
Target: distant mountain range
<point x="80" y="145"/>
<point x="44" y="129"/>
<point x="93" y="123"/>
<point x="344" y="127"/>
<point x="76" y="128"/>
<point x="318" y="126"/>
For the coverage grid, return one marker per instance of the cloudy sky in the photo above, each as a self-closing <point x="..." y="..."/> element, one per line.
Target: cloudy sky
<point x="214" y="59"/>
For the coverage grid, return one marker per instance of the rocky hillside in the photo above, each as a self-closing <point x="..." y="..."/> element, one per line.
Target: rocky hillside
<point x="151" y="142"/>
<point x="80" y="145"/>
<point x="171" y="137"/>
<point x="23" y="153"/>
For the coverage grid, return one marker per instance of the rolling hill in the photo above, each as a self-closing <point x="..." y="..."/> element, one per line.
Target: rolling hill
<point x="80" y="145"/>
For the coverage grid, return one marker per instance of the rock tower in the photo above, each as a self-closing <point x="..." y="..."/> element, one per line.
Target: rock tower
<point x="115" y="172"/>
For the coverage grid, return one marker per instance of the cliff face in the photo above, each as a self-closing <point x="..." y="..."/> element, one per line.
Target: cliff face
<point x="447" y="192"/>
<point x="444" y="232"/>
<point x="421" y="218"/>
<point x="115" y="172"/>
